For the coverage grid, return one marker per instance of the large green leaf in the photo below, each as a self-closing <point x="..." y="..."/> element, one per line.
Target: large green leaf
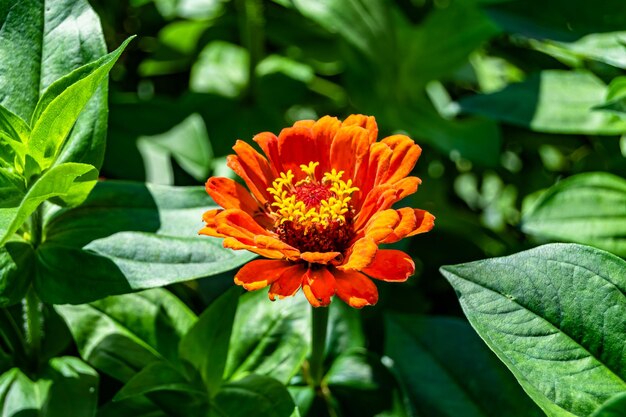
<point x="205" y="346"/>
<point x="127" y="237"/>
<point x="614" y="407"/>
<point x="41" y="41"/>
<point x="253" y="395"/>
<point x="60" y="105"/>
<point x="551" y="101"/>
<point x="268" y="338"/>
<point x="67" y="184"/>
<point x="121" y="335"/>
<point x="16" y="269"/>
<point x="586" y="208"/>
<point x="555" y="315"/>
<point x="443" y="379"/>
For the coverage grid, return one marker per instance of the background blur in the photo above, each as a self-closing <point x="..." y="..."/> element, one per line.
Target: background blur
<point x="505" y="98"/>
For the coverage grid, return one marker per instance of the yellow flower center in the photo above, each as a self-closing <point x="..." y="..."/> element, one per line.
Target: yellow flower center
<point x="313" y="215"/>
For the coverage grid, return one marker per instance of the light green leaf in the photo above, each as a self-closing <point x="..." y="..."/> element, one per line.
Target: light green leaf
<point x="68" y="184"/>
<point x="59" y="107"/>
<point x="41" y="41"/>
<point x="19" y="395"/>
<point x="586" y="208"/>
<point x="127" y="237"/>
<point x="268" y="338"/>
<point x="188" y="143"/>
<point x="555" y="315"/>
<point x="14" y="126"/>
<point x="157" y="376"/>
<point x="616" y="97"/>
<point x="16" y="271"/>
<point x="443" y="380"/>
<point x="205" y="346"/>
<point x="551" y="101"/>
<point x="121" y="335"/>
<point x="255" y="395"/>
<point x="222" y="68"/>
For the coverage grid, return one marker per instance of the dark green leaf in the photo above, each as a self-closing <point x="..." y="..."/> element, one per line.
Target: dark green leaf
<point x="157" y="376"/>
<point x="447" y="371"/>
<point x="16" y="269"/>
<point x="616" y="97"/>
<point x="268" y="338"/>
<point x="614" y="407"/>
<point x="121" y="335"/>
<point x="555" y="315"/>
<point x="67" y="184"/>
<point x="59" y="107"/>
<point x="552" y="101"/>
<point x="205" y="346"/>
<point x="73" y="390"/>
<point x="586" y="208"/>
<point x="255" y="395"/>
<point x="132" y="407"/>
<point x="13" y="126"/>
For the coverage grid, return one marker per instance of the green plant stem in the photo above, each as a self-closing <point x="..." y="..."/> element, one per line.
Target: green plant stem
<point x="318" y="344"/>
<point x="33" y="325"/>
<point x="36" y="226"/>
<point x="252" y="34"/>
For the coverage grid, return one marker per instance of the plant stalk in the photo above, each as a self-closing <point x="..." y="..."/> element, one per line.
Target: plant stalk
<point x="33" y="325"/>
<point x="318" y="344"/>
<point x="252" y="35"/>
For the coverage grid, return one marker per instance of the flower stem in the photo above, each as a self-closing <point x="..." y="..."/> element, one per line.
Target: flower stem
<point x="318" y="344"/>
<point x="251" y="31"/>
<point x="33" y="325"/>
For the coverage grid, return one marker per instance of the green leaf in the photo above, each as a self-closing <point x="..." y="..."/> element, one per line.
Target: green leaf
<point x="68" y="184"/>
<point x="442" y="379"/>
<point x="157" y="376"/>
<point x="121" y="335"/>
<point x="126" y="237"/>
<point x="268" y="338"/>
<point x="616" y="97"/>
<point x="12" y="186"/>
<point x="555" y="316"/>
<point x="13" y="126"/>
<point x="132" y="407"/>
<point x="188" y="143"/>
<point x="255" y="395"/>
<point x="205" y="346"/>
<point x="551" y="101"/>
<point x="222" y="68"/>
<point x="586" y="208"/>
<point x="16" y="271"/>
<point x="614" y="407"/>
<point x="61" y="104"/>
<point x="20" y="396"/>
<point x="41" y="41"/>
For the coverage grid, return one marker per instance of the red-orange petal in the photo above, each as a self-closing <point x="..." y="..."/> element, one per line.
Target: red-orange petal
<point x="404" y="156"/>
<point x="360" y="255"/>
<point x="390" y="265"/>
<point x="381" y="225"/>
<point x="268" y="142"/>
<point x="319" y="257"/>
<point x="270" y="242"/>
<point x="412" y="222"/>
<point x="296" y="146"/>
<point x="288" y="282"/>
<point x="349" y="150"/>
<point x="324" y="130"/>
<point x="230" y="194"/>
<point x="239" y="224"/>
<point x="355" y="288"/>
<point x="366" y="122"/>
<point x="318" y="285"/>
<point x="253" y="168"/>
<point x="260" y="273"/>
<point x="232" y="243"/>
<point x="210" y="228"/>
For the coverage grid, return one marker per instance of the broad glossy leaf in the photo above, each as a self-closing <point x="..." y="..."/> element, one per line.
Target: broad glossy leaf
<point x="60" y="105"/>
<point x="556" y="316"/>
<point x="132" y="407"/>
<point x="12" y="186"/>
<point x="20" y="396"/>
<point x="447" y="370"/>
<point x="268" y="338"/>
<point x="16" y="271"/>
<point x="157" y="376"/>
<point x="187" y="143"/>
<point x="129" y="236"/>
<point x="13" y="125"/>
<point x="586" y="208"/>
<point x="614" y="407"/>
<point x="222" y="68"/>
<point x="121" y="335"/>
<point x="205" y="345"/>
<point x="67" y="184"/>
<point x="254" y="395"/>
<point x="551" y="101"/>
<point x="63" y="34"/>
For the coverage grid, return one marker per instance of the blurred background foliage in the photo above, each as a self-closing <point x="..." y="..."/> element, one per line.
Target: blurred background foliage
<point x="505" y="97"/>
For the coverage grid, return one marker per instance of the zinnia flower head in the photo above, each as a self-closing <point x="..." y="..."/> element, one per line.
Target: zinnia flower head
<point x="318" y="206"/>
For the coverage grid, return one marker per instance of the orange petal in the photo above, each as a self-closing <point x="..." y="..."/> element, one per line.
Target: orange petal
<point x="404" y="156"/>
<point x="232" y="243"/>
<point x="318" y="285"/>
<point x="296" y="147"/>
<point x="366" y="122"/>
<point x="268" y="142"/>
<point x="230" y="194"/>
<point x="260" y="273"/>
<point x="412" y="222"/>
<point x="355" y="288"/>
<point x="324" y="130"/>
<point x="377" y="168"/>
<point x="238" y="224"/>
<point x="253" y="168"/>
<point x="288" y="282"/>
<point x="360" y="255"/>
<point x="390" y="265"/>
<point x="381" y="225"/>
<point x="211" y="225"/>
<point x="270" y="242"/>
<point x="319" y="257"/>
<point x="349" y="150"/>
<point x="304" y="123"/>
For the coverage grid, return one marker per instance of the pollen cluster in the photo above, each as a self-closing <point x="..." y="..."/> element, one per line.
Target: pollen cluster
<point x="313" y="215"/>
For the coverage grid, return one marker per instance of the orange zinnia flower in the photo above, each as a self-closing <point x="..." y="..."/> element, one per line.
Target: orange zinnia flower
<point x="318" y="206"/>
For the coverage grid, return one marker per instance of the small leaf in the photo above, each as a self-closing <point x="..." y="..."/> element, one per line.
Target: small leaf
<point x="74" y="389"/>
<point x="157" y="376"/>
<point x="555" y="316"/>
<point x="586" y="208"/>
<point x="68" y="184"/>
<point x="61" y="104"/>
<point x="20" y="396"/>
<point x="14" y="126"/>
<point x="222" y="68"/>
<point x="205" y="346"/>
